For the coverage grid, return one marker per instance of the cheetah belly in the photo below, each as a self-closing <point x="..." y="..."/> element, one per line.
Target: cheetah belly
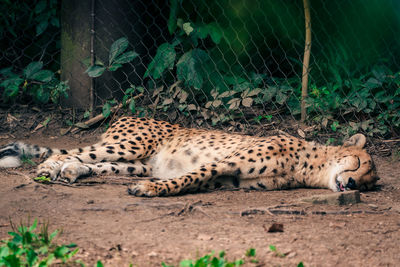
<point x="166" y="165"/>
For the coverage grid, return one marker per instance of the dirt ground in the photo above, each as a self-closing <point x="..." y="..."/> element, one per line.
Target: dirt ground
<point x="112" y="226"/>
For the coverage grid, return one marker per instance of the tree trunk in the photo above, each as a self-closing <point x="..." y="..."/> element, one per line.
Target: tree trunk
<point x="75" y="47"/>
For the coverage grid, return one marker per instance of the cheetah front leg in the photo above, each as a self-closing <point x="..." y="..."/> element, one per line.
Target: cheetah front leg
<point x="73" y="170"/>
<point x="189" y="182"/>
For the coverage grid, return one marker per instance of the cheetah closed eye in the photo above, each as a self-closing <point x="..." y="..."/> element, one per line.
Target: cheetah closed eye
<point x="188" y="160"/>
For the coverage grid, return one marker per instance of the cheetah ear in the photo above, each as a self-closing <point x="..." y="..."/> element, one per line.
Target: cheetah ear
<point x="357" y="140"/>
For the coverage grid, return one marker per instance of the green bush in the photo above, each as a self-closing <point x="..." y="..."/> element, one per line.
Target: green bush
<point x="34" y="81"/>
<point x="26" y="247"/>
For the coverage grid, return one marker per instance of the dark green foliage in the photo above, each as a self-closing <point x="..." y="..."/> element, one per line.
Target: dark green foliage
<point x="163" y="60"/>
<point x="26" y="247"/>
<point x="345" y="94"/>
<point x="15" y="21"/>
<point x="42" y="85"/>
<point x="117" y="57"/>
<point x="375" y="96"/>
<point x="128" y="99"/>
<point x="29" y="24"/>
<point x="189" y="56"/>
<point x="190" y="68"/>
<point x="229" y="60"/>
<point x="210" y="260"/>
<point x="25" y="27"/>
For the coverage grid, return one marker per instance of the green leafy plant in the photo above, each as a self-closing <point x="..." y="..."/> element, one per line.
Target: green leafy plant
<point x="187" y="53"/>
<point x="27" y="160"/>
<point x="277" y="253"/>
<point x="187" y="57"/>
<point x="45" y="12"/>
<point x="261" y="117"/>
<point x="30" y="23"/>
<point x="128" y="99"/>
<point x="251" y="254"/>
<point x="340" y="99"/>
<point x="21" y="18"/>
<point x="117" y="57"/>
<point x="219" y="90"/>
<point x="375" y="95"/>
<point x="106" y="110"/>
<point x="210" y="260"/>
<point x="39" y="83"/>
<point x="26" y="247"/>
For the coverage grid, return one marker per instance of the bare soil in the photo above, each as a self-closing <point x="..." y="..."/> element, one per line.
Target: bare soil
<point x="112" y="226"/>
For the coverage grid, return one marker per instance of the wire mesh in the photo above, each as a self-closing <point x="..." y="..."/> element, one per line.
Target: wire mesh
<point x="230" y="64"/>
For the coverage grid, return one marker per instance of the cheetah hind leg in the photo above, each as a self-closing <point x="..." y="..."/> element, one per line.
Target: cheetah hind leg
<point x="71" y="171"/>
<point x="192" y="181"/>
<point x="110" y="152"/>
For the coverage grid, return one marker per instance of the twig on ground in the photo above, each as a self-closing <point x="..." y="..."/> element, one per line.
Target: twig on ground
<point x="390" y="141"/>
<point x="190" y="207"/>
<point x="100" y="117"/>
<point x="302" y="212"/>
<point x="18" y="173"/>
<point x="115" y="180"/>
<point x="64" y="184"/>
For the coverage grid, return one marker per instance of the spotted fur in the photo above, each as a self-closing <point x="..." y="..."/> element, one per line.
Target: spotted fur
<point x="188" y="160"/>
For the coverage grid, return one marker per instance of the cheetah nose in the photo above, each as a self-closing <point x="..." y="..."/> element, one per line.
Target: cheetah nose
<point x="351" y="183"/>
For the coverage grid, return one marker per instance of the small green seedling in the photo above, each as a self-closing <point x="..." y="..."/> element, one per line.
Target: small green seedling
<point x="209" y="260"/>
<point x="27" y="160"/>
<point x="260" y="117"/>
<point x="276" y="252"/>
<point x="42" y="179"/>
<point x="251" y="253"/>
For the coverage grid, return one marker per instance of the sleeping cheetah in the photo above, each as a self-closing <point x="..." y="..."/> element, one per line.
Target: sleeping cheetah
<point x="187" y="160"/>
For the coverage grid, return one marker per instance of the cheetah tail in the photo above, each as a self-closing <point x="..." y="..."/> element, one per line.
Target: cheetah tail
<point x="11" y="155"/>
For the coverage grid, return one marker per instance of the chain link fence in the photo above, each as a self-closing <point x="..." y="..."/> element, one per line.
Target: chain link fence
<point x="230" y="64"/>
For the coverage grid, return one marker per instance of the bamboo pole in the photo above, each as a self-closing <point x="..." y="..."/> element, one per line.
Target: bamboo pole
<point x="306" y="60"/>
<point x="92" y="57"/>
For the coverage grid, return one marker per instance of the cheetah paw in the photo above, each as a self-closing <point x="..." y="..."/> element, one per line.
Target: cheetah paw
<point x="143" y="189"/>
<point x="49" y="169"/>
<point x="73" y="170"/>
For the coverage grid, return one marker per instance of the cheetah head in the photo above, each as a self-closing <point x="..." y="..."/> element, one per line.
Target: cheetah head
<point x="354" y="168"/>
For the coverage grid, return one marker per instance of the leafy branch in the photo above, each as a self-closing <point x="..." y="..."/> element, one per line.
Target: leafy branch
<point x="117" y="57"/>
<point x="35" y="81"/>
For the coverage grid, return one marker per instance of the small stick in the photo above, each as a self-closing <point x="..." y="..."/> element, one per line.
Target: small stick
<point x="20" y="174"/>
<point x="389" y="141"/>
<point x="100" y="117"/>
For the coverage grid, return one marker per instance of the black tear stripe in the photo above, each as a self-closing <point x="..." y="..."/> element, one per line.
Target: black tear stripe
<point x="359" y="164"/>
